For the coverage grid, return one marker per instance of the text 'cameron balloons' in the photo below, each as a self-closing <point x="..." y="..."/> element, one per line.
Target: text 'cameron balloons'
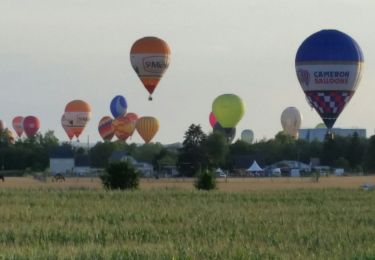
<point x="150" y="57"/>
<point x="66" y="125"/>
<point x="328" y="66"/>
<point x="247" y="136"/>
<point x="291" y="120"/>
<point x="212" y="119"/>
<point x="78" y="113"/>
<point x="17" y="124"/>
<point x="147" y="127"/>
<point x="118" y="106"/>
<point x="31" y="125"/>
<point x="229" y="133"/>
<point x="105" y="128"/>
<point x="228" y="110"/>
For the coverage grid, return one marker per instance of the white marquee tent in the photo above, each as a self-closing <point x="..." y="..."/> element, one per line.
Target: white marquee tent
<point x="254" y="167"/>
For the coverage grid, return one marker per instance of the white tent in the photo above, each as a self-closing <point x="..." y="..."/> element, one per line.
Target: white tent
<point x="254" y="167"/>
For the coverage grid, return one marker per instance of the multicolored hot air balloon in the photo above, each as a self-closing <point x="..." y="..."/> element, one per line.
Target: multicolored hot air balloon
<point x="147" y="127"/>
<point x="31" y="125"/>
<point x="132" y="117"/>
<point x="247" y="136"/>
<point x="150" y="57"/>
<point x="17" y="124"/>
<point x="329" y="66"/>
<point x="66" y="125"/>
<point x="228" y="110"/>
<point x="212" y="119"/>
<point x="291" y="120"/>
<point x="78" y="113"/>
<point x="123" y="128"/>
<point x="106" y="129"/>
<point x="118" y="106"/>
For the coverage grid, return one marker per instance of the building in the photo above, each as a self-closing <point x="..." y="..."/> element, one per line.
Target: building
<point x="318" y="134"/>
<point x="61" y="161"/>
<point x="82" y="165"/>
<point x="146" y="169"/>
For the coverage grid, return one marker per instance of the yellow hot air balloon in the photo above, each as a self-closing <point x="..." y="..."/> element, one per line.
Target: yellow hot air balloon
<point x="228" y="110"/>
<point x="147" y="127"/>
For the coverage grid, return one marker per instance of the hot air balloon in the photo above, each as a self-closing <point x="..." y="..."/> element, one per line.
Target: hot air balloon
<point x="106" y="129"/>
<point x="132" y="117"/>
<point x="2" y="125"/>
<point x="212" y="119"/>
<point x="78" y="113"/>
<point x="147" y="127"/>
<point x="320" y="125"/>
<point x="123" y="128"/>
<point x="328" y="66"/>
<point x="247" y="136"/>
<point x="31" y="125"/>
<point x="17" y="124"/>
<point x="149" y="57"/>
<point x="118" y="106"/>
<point x="229" y="132"/>
<point x="9" y="135"/>
<point x="228" y="110"/>
<point x="291" y="120"/>
<point x="66" y="125"/>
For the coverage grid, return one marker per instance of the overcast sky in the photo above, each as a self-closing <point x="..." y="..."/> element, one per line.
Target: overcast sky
<point x="52" y="52"/>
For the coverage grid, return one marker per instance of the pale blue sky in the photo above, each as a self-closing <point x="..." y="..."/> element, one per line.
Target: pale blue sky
<point x="52" y="52"/>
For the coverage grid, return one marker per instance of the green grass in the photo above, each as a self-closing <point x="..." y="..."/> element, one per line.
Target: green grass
<point x="178" y="224"/>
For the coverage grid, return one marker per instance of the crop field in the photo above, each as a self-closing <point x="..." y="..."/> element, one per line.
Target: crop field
<point x="168" y="219"/>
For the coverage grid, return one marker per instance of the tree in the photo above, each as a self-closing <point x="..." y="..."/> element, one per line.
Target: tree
<point x="205" y="180"/>
<point x="355" y="152"/>
<point x="369" y="157"/>
<point x="216" y="148"/>
<point x="191" y="156"/>
<point x="120" y="175"/>
<point x="164" y="157"/>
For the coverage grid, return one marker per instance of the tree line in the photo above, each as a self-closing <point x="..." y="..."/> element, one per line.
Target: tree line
<point x="199" y="151"/>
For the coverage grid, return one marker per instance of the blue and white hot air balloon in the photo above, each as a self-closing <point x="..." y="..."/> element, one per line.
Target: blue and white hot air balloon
<point x="328" y="66"/>
<point x="118" y="106"/>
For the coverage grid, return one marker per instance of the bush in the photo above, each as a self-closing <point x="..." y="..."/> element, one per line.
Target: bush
<point x="205" y="180"/>
<point x="121" y="175"/>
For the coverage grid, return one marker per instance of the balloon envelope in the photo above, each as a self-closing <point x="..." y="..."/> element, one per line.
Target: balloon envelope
<point x="329" y="67"/>
<point x="17" y="124"/>
<point x="212" y="119"/>
<point x="2" y="125"/>
<point x="228" y="110"/>
<point x="78" y="113"/>
<point x="147" y="127"/>
<point x="118" y="106"/>
<point x="132" y="117"/>
<point x="229" y="133"/>
<point x="123" y="128"/>
<point x="105" y="128"/>
<point x="31" y="125"/>
<point x="247" y="136"/>
<point x="150" y="57"/>
<point x="66" y="125"/>
<point x="291" y="120"/>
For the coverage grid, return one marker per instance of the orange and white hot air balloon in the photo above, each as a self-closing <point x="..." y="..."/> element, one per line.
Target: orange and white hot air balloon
<point x="17" y="124"/>
<point x="66" y="125"/>
<point x="78" y="113"/>
<point x="147" y="127"/>
<point x="150" y="57"/>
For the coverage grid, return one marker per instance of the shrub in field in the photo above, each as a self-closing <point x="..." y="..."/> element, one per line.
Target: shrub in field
<point x="205" y="180"/>
<point x="120" y="175"/>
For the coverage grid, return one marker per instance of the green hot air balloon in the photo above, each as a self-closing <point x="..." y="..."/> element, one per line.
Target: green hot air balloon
<point x="228" y="110"/>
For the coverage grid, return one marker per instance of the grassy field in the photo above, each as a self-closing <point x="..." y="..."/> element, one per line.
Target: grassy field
<point x="159" y="221"/>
